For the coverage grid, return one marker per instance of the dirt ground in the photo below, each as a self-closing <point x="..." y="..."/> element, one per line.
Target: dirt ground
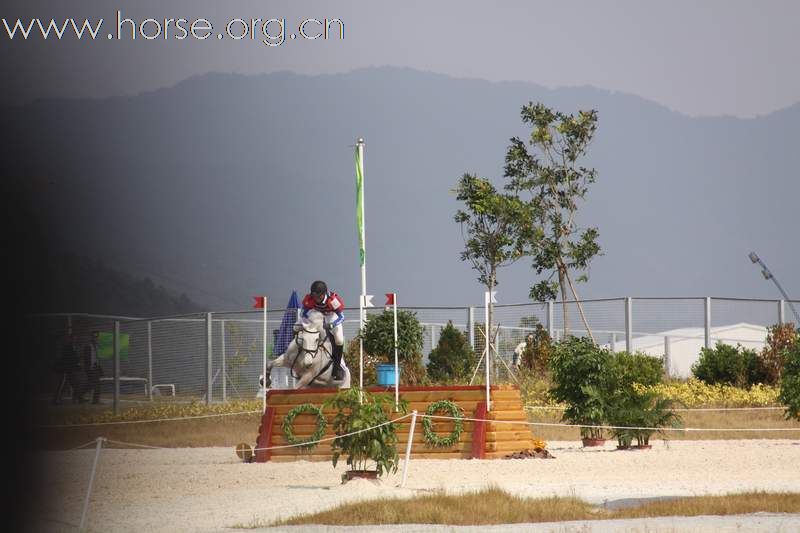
<point x="210" y="489"/>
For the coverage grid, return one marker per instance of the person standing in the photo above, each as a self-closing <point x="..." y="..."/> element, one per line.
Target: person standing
<point x="520" y="350"/>
<point x="67" y="367"/>
<point x="91" y="365"/>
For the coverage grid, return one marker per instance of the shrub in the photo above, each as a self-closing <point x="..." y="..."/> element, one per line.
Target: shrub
<point x="378" y="338"/>
<point x="772" y="358"/>
<point x="625" y="369"/>
<point x="726" y="364"/>
<point x="696" y="393"/>
<point x="351" y="357"/>
<point x="412" y="371"/>
<point x="577" y="364"/>
<point x="453" y="356"/>
<point x="790" y="381"/>
<point x="537" y="356"/>
<point x="378" y="335"/>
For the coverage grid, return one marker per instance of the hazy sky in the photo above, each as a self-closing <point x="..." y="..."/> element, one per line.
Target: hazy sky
<point x="700" y="58"/>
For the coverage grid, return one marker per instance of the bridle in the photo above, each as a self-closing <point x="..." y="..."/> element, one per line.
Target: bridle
<point x="302" y="350"/>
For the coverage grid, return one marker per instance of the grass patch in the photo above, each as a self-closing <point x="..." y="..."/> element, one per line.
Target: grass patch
<point x="729" y="504"/>
<point x="691" y="419"/>
<point x="495" y="506"/>
<point x="490" y="506"/>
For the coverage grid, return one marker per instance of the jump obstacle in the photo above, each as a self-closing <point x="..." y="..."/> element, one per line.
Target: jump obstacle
<point x="478" y="440"/>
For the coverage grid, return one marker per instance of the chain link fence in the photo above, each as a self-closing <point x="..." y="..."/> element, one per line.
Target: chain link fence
<point x="218" y="357"/>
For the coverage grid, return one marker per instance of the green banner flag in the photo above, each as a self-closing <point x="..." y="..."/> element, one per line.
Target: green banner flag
<point x="105" y="346"/>
<point x="360" y="205"/>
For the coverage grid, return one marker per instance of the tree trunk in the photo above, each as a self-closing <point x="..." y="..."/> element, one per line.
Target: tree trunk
<point x="563" y="286"/>
<point x="580" y="308"/>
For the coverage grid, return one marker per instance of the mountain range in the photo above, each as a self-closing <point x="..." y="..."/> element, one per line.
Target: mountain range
<point x="227" y="186"/>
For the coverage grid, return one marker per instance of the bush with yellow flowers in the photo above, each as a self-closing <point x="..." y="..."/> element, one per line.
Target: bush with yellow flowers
<point x="695" y="393"/>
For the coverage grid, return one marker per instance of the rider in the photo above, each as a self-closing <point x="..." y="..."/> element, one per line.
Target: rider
<point x="331" y="306"/>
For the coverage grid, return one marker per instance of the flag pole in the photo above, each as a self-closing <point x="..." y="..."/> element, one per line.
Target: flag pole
<point x="264" y="365"/>
<point x="362" y="253"/>
<point x="487" y="343"/>
<point x="396" y="369"/>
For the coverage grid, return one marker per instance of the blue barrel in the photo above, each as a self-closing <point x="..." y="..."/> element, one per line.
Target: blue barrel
<point x="385" y="374"/>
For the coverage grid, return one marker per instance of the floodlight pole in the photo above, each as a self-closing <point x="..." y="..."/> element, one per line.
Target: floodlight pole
<point x="768" y="275"/>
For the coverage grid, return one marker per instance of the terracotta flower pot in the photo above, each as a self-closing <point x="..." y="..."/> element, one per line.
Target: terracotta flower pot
<point x="635" y="447"/>
<point x="587" y="442"/>
<point x="365" y="474"/>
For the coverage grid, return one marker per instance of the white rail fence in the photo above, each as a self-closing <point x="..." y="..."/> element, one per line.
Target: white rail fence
<point x="217" y="357"/>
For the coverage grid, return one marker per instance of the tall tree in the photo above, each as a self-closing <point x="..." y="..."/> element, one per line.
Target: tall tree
<point x="487" y="226"/>
<point x="547" y="169"/>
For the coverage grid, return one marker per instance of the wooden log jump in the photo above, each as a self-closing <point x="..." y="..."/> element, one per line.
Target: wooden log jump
<point x="479" y="440"/>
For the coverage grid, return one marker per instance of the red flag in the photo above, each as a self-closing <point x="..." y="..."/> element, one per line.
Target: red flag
<point x="260" y="302"/>
<point x="389" y="298"/>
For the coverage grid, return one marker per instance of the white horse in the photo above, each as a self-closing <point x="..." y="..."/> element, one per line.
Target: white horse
<point x="309" y="355"/>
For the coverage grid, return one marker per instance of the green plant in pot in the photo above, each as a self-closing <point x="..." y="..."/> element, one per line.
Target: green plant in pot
<point x="634" y="408"/>
<point x="371" y="453"/>
<point x="577" y="365"/>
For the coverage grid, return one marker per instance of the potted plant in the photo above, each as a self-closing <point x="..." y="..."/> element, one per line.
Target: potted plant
<point x="592" y="414"/>
<point x="578" y="367"/>
<point x="370" y="453"/>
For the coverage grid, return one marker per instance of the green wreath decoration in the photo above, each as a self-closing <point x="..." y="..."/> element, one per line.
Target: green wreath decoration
<point x="427" y="425"/>
<point x="288" y="426"/>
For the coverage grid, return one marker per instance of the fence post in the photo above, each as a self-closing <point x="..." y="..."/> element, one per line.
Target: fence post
<point x="224" y="366"/>
<point x="781" y="317"/>
<point x="614" y="342"/>
<point x="707" y="303"/>
<point x="667" y="355"/>
<point x="471" y="326"/>
<point x="150" y="359"/>
<point x="550" y="324"/>
<point x="116" y="367"/>
<point x="629" y="324"/>
<point x="209" y="359"/>
<point x="408" y="447"/>
<point x="85" y="513"/>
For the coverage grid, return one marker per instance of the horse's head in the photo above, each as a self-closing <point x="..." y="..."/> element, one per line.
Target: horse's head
<point x="309" y="339"/>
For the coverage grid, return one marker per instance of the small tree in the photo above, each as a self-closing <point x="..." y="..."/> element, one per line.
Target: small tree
<point x="551" y="175"/>
<point x="487" y="227"/>
<point x="452" y="357"/>
<point x="780" y="338"/>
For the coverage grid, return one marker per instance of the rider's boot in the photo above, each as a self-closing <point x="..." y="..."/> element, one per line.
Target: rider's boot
<point x="336" y="360"/>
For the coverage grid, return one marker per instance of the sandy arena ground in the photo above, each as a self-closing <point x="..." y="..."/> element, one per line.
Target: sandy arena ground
<point x="210" y="489"/>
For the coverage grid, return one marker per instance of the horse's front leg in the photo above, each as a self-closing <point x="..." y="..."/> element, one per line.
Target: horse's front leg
<point x="305" y="379"/>
<point x="276" y="362"/>
<point x="286" y="358"/>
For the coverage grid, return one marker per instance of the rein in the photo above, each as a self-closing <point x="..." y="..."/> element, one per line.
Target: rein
<point x="314" y="352"/>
